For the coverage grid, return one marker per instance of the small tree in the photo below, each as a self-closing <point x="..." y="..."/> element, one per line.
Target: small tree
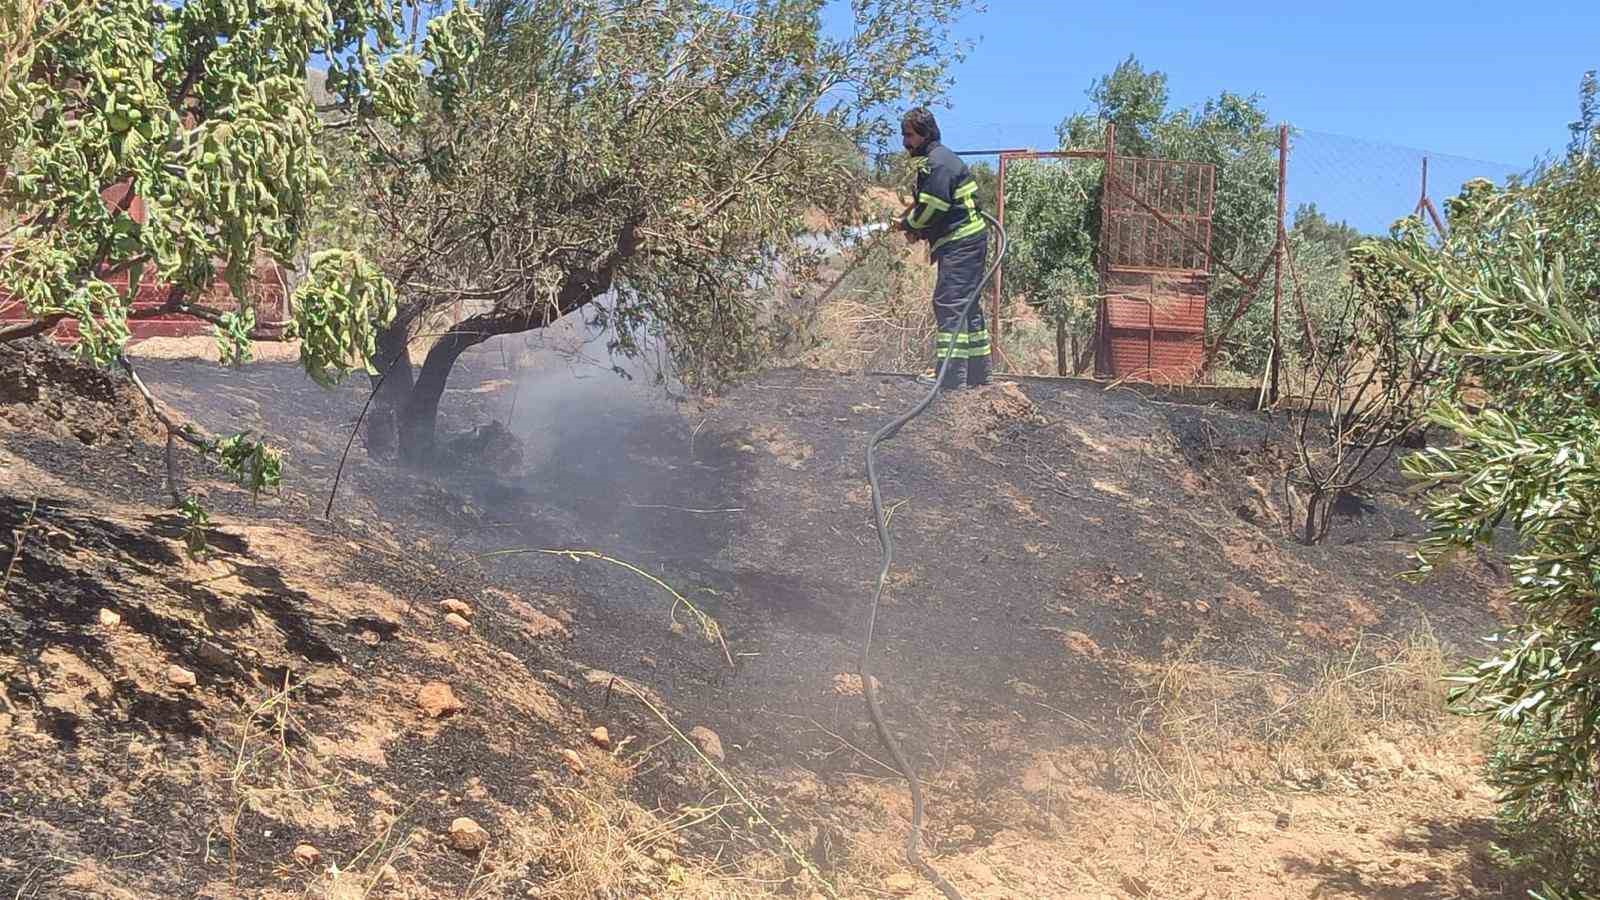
<point x="1050" y="219"/>
<point x="1368" y="381"/>
<point x="652" y="164"/>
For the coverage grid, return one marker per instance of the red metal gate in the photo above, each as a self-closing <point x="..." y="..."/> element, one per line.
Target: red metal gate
<point x="1155" y="254"/>
<point x="1155" y="262"/>
<point x="267" y="292"/>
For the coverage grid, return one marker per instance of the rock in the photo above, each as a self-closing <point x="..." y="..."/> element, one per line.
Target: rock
<point x="981" y="873"/>
<point x="573" y="761"/>
<point x="213" y="655"/>
<point x="1080" y="643"/>
<point x="709" y="743"/>
<point x="459" y="607"/>
<point x="456" y="622"/>
<point x="616" y="685"/>
<point x="307" y="855"/>
<point x="1030" y="691"/>
<point x="900" y="883"/>
<point x="1137" y="886"/>
<point x="558" y="678"/>
<point x="1258" y="823"/>
<point x="109" y="619"/>
<point x="468" y="836"/>
<point x="601" y="738"/>
<point x="437" y="700"/>
<point x="180" y="677"/>
<point x="1386" y="754"/>
<point x="1039" y="777"/>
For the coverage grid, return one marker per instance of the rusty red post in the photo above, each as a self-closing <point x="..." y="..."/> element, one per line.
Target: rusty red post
<point x="1422" y="201"/>
<point x="1102" y="338"/>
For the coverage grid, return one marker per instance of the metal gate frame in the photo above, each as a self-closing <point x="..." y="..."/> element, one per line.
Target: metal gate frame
<point x="1112" y="185"/>
<point x="1155" y="252"/>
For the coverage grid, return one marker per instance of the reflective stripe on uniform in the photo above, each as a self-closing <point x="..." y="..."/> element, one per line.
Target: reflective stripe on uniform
<point x="976" y="342"/>
<point x="973" y="227"/>
<point x="922" y="217"/>
<point x="962" y="344"/>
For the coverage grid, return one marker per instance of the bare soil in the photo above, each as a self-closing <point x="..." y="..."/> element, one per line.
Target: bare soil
<point x="1083" y="579"/>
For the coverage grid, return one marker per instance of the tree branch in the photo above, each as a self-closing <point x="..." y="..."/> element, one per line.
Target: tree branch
<point x="185" y="432"/>
<point x="30" y="329"/>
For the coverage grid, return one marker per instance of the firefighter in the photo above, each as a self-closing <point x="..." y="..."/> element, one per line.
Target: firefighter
<point x="944" y="213"/>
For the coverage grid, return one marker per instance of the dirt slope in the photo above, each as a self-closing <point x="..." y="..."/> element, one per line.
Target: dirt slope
<point x="1117" y="677"/>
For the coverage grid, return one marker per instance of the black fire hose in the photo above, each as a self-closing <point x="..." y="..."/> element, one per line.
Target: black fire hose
<point x="869" y="684"/>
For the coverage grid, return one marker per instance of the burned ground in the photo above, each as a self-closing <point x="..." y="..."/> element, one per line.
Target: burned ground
<point x="1055" y="544"/>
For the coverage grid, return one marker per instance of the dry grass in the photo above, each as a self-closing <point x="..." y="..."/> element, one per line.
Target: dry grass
<point x="1203" y="735"/>
<point x="601" y="840"/>
<point x="881" y="317"/>
<point x="609" y="841"/>
<point x="855" y="334"/>
<point x="598" y="845"/>
<point x="269" y="775"/>
<point x="1393" y="689"/>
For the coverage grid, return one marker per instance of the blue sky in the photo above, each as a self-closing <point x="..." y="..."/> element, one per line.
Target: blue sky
<point x="1483" y="87"/>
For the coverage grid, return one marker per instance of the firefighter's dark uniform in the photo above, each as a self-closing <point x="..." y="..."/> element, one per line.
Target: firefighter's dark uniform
<point x="946" y="216"/>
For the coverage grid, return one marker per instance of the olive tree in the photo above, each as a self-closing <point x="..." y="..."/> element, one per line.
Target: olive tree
<point x="651" y="163"/>
<point x="1519" y="282"/>
<point x="1052" y="218"/>
<point x="201" y="110"/>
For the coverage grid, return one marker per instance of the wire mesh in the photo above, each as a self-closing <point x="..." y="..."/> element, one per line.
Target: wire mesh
<point x="1370" y="184"/>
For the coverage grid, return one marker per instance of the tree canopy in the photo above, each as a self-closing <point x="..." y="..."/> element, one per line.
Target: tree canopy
<point x="1053" y="211"/>
<point x="652" y="164"/>
<point x="1518" y="281"/>
<point x="201" y="111"/>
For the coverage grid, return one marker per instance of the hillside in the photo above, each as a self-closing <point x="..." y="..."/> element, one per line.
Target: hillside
<point x="1117" y="675"/>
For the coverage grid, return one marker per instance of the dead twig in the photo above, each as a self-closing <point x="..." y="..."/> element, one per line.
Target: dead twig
<point x="712" y="629"/>
<point x="174" y="430"/>
<point x="801" y="859"/>
<point x="21" y="536"/>
<point x="686" y="509"/>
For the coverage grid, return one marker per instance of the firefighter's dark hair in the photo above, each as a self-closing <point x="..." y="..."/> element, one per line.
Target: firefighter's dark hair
<point x="922" y="122"/>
